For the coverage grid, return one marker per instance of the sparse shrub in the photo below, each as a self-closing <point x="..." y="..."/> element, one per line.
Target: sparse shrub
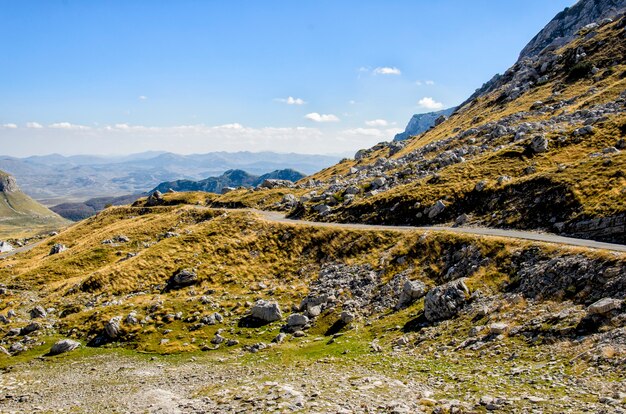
<point x="579" y="71"/>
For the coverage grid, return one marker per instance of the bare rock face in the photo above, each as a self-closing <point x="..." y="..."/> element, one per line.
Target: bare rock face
<point x="8" y="184"/>
<point x="445" y="301"/>
<point x="62" y="346"/>
<point x="266" y="311"/>
<point x="564" y="26"/>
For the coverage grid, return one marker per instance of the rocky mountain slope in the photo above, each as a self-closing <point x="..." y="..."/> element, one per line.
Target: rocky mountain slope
<point x="541" y="147"/>
<point x="422" y="122"/>
<point x="19" y="214"/>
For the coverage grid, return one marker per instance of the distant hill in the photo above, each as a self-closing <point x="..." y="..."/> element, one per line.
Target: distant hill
<point x="231" y="178"/>
<point x="20" y="214"/>
<point x="81" y="210"/>
<point x="421" y="123"/>
<point x="77" y="211"/>
<point x="54" y="179"/>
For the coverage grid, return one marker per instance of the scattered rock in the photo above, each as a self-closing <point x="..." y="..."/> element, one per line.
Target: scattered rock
<point x="183" y="278"/>
<point x="347" y="317"/>
<point x="57" y="248"/>
<point x="445" y="301"/>
<point x="604" y="306"/>
<point x="297" y="319"/>
<point x="267" y="311"/>
<point x="62" y="346"/>
<point x="112" y="328"/>
<point x="539" y="144"/>
<point x="436" y="209"/>
<point x="38" y="312"/>
<point x="412" y="290"/>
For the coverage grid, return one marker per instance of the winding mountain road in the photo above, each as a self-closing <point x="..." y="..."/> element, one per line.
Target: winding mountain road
<point x="278" y="217"/>
<point x="480" y="231"/>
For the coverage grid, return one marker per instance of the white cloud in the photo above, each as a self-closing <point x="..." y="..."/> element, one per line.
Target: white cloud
<point x="429" y="103"/>
<point x="418" y="83"/>
<point x="290" y="100"/>
<point x="314" y="116"/>
<point x="377" y="123"/>
<point x="429" y="82"/>
<point x="142" y="98"/>
<point x="386" y="70"/>
<point x="9" y="126"/>
<point x="67" y="125"/>
<point x="352" y="102"/>
<point x="34" y="125"/>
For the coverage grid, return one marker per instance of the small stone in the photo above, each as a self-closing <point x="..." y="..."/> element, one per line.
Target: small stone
<point x="57" y="248"/>
<point x="38" y="312"/>
<point x="347" y="317"/>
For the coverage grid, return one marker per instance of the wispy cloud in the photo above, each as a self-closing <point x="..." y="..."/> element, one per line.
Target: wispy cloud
<point x="67" y="125"/>
<point x="9" y="126"/>
<point x="377" y="123"/>
<point x="314" y="116"/>
<point x="142" y="98"/>
<point x="387" y="70"/>
<point x="290" y="100"/>
<point x="34" y="125"/>
<point x="426" y="82"/>
<point x="429" y="103"/>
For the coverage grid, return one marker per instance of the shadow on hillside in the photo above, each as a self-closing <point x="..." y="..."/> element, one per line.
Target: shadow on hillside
<point x="416" y="324"/>
<point x="251" y="322"/>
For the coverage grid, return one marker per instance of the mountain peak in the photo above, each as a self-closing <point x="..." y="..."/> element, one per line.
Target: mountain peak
<point x="562" y="28"/>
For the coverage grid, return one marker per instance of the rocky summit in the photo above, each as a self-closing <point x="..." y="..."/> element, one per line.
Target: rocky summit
<point x="475" y="265"/>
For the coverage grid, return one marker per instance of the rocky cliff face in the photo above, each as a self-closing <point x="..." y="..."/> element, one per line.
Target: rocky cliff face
<point x="8" y="184"/>
<point x="564" y="26"/>
<point x="421" y="123"/>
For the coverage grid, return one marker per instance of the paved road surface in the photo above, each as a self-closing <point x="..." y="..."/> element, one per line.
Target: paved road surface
<point x="481" y="231"/>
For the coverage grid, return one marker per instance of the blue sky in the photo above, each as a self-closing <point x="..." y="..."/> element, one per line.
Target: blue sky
<point x="198" y="76"/>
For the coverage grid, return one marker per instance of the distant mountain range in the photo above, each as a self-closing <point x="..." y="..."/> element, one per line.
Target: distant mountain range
<point x="231" y="178"/>
<point x="76" y="211"/>
<point x="53" y="179"/>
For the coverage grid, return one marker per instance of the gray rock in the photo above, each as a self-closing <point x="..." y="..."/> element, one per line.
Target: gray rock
<point x="539" y="144"/>
<point x="267" y="311"/>
<point x="154" y="199"/>
<point x="183" y="278"/>
<point x="289" y="199"/>
<point x="16" y="348"/>
<point x="445" y="301"/>
<point x="298" y="334"/>
<point x="604" y="306"/>
<point x="112" y="328"/>
<point x="412" y="290"/>
<point x="347" y="317"/>
<point x="5" y="247"/>
<point x="279" y="338"/>
<point x="218" y="339"/>
<point x="498" y="328"/>
<point x="30" y="328"/>
<point x="378" y="182"/>
<point x="436" y="209"/>
<point x="63" y="346"/>
<point x="296" y="319"/>
<point x="38" y="312"/>
<point x="57" y="248"/>
<point x="480" y="186"/>
<point x="461" y="220"/>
